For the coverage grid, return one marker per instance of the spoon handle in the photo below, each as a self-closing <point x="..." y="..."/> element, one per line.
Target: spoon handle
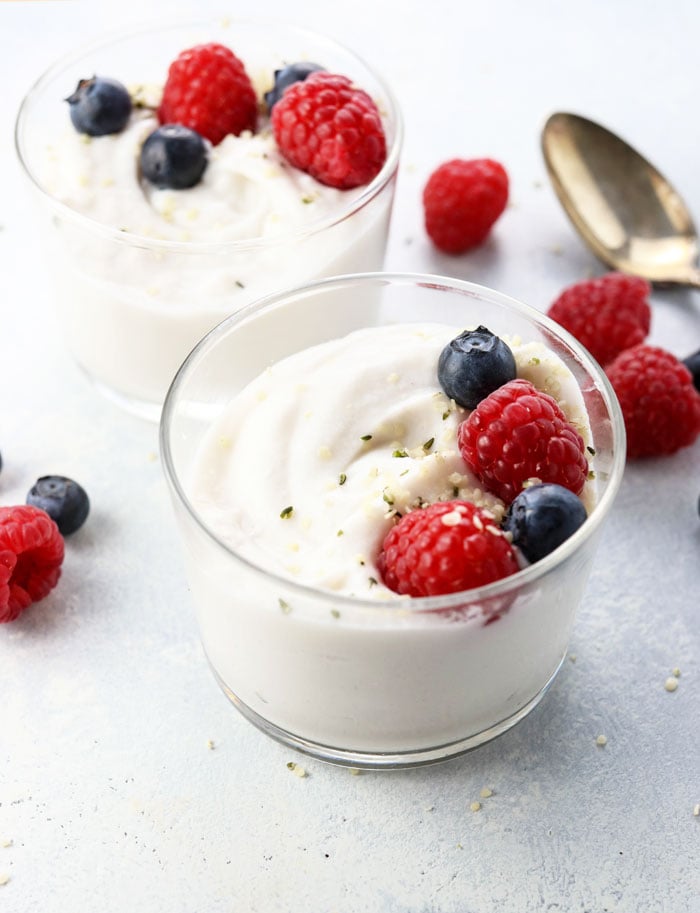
<point x="689" y="277"/>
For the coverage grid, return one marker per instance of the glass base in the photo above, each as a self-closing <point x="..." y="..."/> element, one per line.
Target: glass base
<point x="385" y="760"/>
<point x="145" y="409"/>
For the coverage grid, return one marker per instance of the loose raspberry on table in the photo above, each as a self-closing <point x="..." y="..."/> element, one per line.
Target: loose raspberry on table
<point x="444" y="548"/>
<point x="660" y="405"/>
<point x="330" y="129"/>
<point x="31" y="554"/>
<point x="607" y="315"/>
<point x="209" y="91"/>
<point x="517" y="434"/>
<point x="462" y="200"/>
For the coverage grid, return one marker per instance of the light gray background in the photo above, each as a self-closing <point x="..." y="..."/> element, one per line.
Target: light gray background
<point x="108" y="790"/>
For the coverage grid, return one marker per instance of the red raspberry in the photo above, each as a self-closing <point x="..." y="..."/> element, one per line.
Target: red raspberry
<point x="606" y="315"/>
<point x="462" y="200"/>
<point x="208" y="90"/>
<point x="519" y="433"/>
<point x="445" y="548"/>
<point x="660" y="405"/>
<point x="330" y="129"/>
<point x="31" y="553"/>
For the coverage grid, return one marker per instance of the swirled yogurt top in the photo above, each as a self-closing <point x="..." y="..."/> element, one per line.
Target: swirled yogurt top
<point x="248" y="190"/>
<point x="304" y="471"/>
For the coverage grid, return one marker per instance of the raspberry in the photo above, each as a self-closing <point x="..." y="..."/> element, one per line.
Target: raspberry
<point x="209" y="91"/>
<point x="31" y="553"/>
<point x="445" y="548"/>
<point x="517" y="434"/>
<point x="606" y="315"/>
<point x="660" y="405"/>
<point x="462" y="200"/>
<point x="330" y="129"/>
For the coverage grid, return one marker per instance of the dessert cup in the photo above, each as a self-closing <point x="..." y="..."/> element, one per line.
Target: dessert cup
<point x="356" y="681"/>
<point x="132" y="306"/>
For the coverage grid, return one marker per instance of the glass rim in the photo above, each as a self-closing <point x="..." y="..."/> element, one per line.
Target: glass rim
<point x="422" y="604"/>
<point x="133" y="239"/>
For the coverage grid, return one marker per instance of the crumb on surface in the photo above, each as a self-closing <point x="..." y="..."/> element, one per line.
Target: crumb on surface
<point x="601" y="740"/>
<point x="671" y="683"/>
<point x="355" y="771"/>
<point x="676" y="673"/>
<point x="4" y="878"/>
<point x="210" y="744"/>
<point x="7" y="842"/>
<point x="696" y="810"/>
<point x="572" y="657"/>
<point x="486" y="793"/>
<point x="475" y="806"/>
<point x="297" y="769"/>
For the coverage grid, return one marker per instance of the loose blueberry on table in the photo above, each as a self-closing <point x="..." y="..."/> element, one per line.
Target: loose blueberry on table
<point x="64" y="500"/>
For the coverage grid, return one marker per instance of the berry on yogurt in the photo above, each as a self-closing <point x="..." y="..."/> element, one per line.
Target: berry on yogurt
<point x="474" y="364"/>
<point x="327" y="127"/>
<point x="519" y="434"/>
<point x="209" y="90"/>
<point x="446" y="547"/>
<point x="64" y="500"/>
<point x="99" y="106"/>
<point x="287" y="76"/>
<point x="542" y="517"/>
<point x="173" y="156"/>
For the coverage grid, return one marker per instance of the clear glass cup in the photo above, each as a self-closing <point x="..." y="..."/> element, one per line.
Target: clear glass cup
<point x="356" y="681"/>
<point x="131" y="306"/>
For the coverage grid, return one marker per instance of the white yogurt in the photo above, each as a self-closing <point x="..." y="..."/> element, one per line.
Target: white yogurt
<point x="306" y="470"/>
<point x="132" y="310"/>
<point x="248" y="190"/>
<point x="366" y="676"/>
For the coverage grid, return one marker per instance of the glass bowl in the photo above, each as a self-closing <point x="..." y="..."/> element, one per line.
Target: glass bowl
<point x="135" y="295"/>
<point x="353" y="680"/>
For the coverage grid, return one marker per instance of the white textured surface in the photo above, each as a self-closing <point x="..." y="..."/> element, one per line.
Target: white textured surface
<point x="108" y="790"/>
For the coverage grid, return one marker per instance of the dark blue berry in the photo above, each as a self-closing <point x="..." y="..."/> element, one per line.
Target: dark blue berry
<point x="293" y="72"/>
<point x="174" y="156"/>
<point x="64" y="501"/>
<point x="473" y="365"/>
<point x="692" y="363"/>
<point x="99" y="106"/>
<point x="542" y="517"/>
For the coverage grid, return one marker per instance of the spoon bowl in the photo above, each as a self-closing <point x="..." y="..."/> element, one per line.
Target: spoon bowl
<point x="625" y="210"/>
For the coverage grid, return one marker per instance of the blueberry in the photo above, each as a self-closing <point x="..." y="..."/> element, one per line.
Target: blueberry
<point x="99" y="106"/>
<point x="473" y="365"/>
<point x="542" y="517"/>
<point x="293" y="72"/>
<point x="174" y="156"/>
<point x="692" y="363"/>
<point x="64" y="501"/>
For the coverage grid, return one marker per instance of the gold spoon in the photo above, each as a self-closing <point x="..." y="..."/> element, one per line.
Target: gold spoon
<point x="623" y="208"/>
